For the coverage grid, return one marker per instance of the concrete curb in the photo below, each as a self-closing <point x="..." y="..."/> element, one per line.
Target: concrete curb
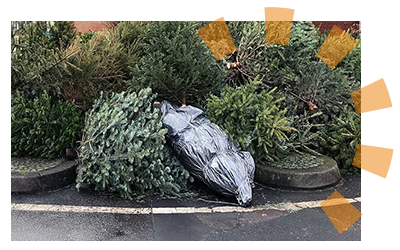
<point x="325" y="175"/>
<point x="57" y="177"/>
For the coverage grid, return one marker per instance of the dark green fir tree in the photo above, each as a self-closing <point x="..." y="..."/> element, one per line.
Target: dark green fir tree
<point x="177" y="64"/>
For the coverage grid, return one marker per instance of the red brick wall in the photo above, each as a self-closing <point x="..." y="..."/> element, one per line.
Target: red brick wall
<point x="85" y="26"/>
<point x="327" y="25"/>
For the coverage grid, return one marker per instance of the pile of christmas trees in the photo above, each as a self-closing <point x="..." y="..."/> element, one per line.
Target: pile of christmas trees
<point x="279" y="97"/>
<point x="277" y="100"/>
<point x="178" y="66"/>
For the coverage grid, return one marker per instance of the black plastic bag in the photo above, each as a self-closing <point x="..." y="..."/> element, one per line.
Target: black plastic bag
<point x="206" y="151"/>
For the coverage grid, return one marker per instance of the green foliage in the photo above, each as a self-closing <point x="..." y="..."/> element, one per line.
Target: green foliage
<point x="123" y="150"/>
<point x="249" y="38"/>
<point x="131" y="34"/>
<point x="253" y="119"/>
<point x="177" y="64"/>
<point x="315" y="95"/>
<point x="62" y="34"/>
<point x="310" y="83"/>
<point x="351" y="64"/>
<point x="85" y="37"/>
<point x="171" y="58"/>
<point x="43" y="127"/>
<point x="37" y="61"/>
<point x="101" y="64"/>
<point x="54" y="59"/>
<point x="340" y="140"/>
<point x="261" y="60"/>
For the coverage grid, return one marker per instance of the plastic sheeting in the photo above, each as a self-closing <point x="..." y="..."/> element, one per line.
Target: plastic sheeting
<point x="206" y="151"/>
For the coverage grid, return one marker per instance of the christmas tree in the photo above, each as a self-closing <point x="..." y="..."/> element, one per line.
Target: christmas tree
<point x="177" y="64"/>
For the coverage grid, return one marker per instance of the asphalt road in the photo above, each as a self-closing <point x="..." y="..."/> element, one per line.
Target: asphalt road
<point x="307" y="224"/>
